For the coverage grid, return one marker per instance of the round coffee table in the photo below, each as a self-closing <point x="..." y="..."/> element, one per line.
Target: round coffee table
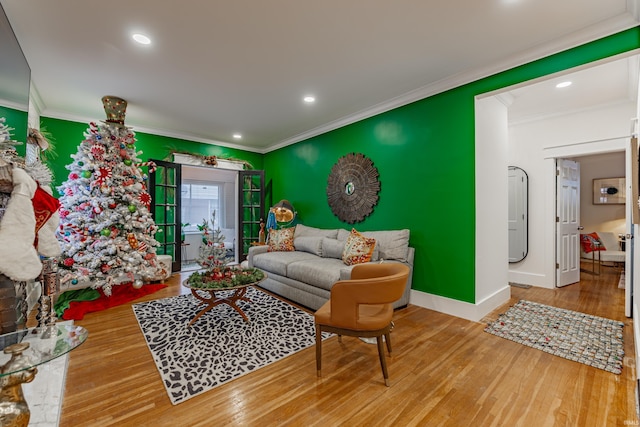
<point x="213" y="297"/>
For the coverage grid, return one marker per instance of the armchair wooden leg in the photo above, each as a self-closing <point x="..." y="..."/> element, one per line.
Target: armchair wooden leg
<point x="318" y="349"/>
<point x="387" y="339"/>
<point x="383" y="362"/>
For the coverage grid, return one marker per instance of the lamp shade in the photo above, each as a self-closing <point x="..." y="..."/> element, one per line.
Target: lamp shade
<point x="284" y="211"/>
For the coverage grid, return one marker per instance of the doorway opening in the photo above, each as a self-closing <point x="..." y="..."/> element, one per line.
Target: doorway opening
<point x="531" y="135"/>
<point x="208" y="199"/>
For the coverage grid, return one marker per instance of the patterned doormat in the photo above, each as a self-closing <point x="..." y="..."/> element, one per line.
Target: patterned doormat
<point x="592" y="340"/>
<point x="220" y="346"/>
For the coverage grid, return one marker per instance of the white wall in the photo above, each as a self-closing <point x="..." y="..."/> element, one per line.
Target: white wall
<point x="492" y="287"/>
<point x="533" y="146"/>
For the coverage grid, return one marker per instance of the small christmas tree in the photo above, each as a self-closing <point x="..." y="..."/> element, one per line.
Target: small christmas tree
<point x="106" y="230"/>
<point x="212" y="252"/>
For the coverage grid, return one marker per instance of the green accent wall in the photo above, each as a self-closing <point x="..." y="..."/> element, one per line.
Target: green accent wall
<point x="17" y="120"/>
<point x="67" y="135"/>
<point x="424" y="153"/>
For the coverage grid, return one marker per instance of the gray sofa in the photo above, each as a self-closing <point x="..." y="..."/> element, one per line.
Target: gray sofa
<point x="306" y="275"/>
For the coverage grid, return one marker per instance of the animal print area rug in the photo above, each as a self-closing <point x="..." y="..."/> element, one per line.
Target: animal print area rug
<point x="220" y="346"/>
<point x="592" y="340"/>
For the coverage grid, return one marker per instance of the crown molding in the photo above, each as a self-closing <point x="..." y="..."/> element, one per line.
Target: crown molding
<point x="154" y="131"/>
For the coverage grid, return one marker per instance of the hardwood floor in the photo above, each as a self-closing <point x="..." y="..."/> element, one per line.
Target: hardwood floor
<point x="445" y="371"/>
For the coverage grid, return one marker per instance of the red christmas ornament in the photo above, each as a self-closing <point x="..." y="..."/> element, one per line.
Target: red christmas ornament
<point x="68" y="262"/>
<point x="145" y="199"/>
<point x="104" y="173"/>
<point x="73" y="175"/>
<point x="97" y="151"/>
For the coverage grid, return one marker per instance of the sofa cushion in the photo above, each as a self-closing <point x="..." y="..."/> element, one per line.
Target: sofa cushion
<point x="320" y="272"/>
<point x="358" y="249"/>
<point x="332" y="248"/>
<point x="311" y="244"/>
<point x="281" y="240"/>
<point x="278" y="262"/>
<point x="390" y="244"/>
<point x="303" y="230"/>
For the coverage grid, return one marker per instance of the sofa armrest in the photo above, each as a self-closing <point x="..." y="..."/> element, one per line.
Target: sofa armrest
<point x="411" y="254"/>
<point x="345" y="272"/>
<point x="255" y="250"/>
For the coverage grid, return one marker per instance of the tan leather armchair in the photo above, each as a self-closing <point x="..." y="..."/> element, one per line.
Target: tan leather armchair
<point x="362" y="307"/>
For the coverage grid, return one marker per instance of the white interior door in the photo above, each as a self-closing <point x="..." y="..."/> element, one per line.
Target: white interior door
<point x="567" y="222"/>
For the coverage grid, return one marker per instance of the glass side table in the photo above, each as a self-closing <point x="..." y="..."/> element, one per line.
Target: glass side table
<point x="22" y="352"/>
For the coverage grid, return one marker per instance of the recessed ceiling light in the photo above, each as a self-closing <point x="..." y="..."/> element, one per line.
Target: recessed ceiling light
<point x="237" y="136"/>
<point x="141" y="38"/>
<point x="563" y="84"/>
<point x="309" y="99"/>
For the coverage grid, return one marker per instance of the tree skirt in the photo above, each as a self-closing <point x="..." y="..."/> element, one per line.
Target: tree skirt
<point x="592" y="340"/>
<point x="120" y="294"/>
<point x="220" y="346"/>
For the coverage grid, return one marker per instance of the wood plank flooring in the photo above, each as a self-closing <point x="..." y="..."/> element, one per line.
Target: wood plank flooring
<point x="445" y="371"/>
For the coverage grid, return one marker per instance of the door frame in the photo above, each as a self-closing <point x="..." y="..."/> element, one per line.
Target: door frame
<point x="177" y="252"/>
<point x="585" y="149"/>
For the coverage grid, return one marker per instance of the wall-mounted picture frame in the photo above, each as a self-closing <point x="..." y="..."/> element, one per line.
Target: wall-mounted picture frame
<point x="609" y="191"/>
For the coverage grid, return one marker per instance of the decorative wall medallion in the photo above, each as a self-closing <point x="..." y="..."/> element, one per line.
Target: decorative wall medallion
<point x="352" y="188"/>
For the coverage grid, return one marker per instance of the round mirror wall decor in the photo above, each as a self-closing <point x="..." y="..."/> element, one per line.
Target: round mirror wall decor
<point x="352" y="188"/>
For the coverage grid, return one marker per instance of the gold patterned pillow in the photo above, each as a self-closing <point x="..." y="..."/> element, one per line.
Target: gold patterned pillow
<point x="281" y="240"/>
<point x="358" y="249"/>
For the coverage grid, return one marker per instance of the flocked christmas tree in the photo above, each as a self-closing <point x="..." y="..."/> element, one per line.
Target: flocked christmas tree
<point x="106" y="230"/>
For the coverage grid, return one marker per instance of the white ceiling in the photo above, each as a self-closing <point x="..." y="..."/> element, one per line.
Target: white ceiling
<point x="605" y="84"/>
<point x="217" y="67"/>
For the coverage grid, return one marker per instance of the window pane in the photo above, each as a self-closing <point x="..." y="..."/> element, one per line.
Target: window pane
<point x="199" y="201"/>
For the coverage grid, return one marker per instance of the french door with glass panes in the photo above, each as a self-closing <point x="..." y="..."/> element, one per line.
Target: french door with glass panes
<point x="164" y="187"/>
<point x="251" y="209"/>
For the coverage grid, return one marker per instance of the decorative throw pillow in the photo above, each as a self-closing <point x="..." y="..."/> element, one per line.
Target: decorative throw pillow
<point x="591" y="242"/>
<point x="357" y="249"/>
<point x="281" y="240"/>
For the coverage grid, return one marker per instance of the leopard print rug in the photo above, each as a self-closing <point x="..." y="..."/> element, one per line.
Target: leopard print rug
<point x="220" y="346"/>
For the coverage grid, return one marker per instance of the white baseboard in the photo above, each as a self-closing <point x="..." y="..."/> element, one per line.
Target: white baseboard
<point x="533" y="279"/>
<point x="465" y="310"/>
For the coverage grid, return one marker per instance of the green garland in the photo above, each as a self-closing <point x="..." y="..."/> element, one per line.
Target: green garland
<point x="227" y="277"/>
